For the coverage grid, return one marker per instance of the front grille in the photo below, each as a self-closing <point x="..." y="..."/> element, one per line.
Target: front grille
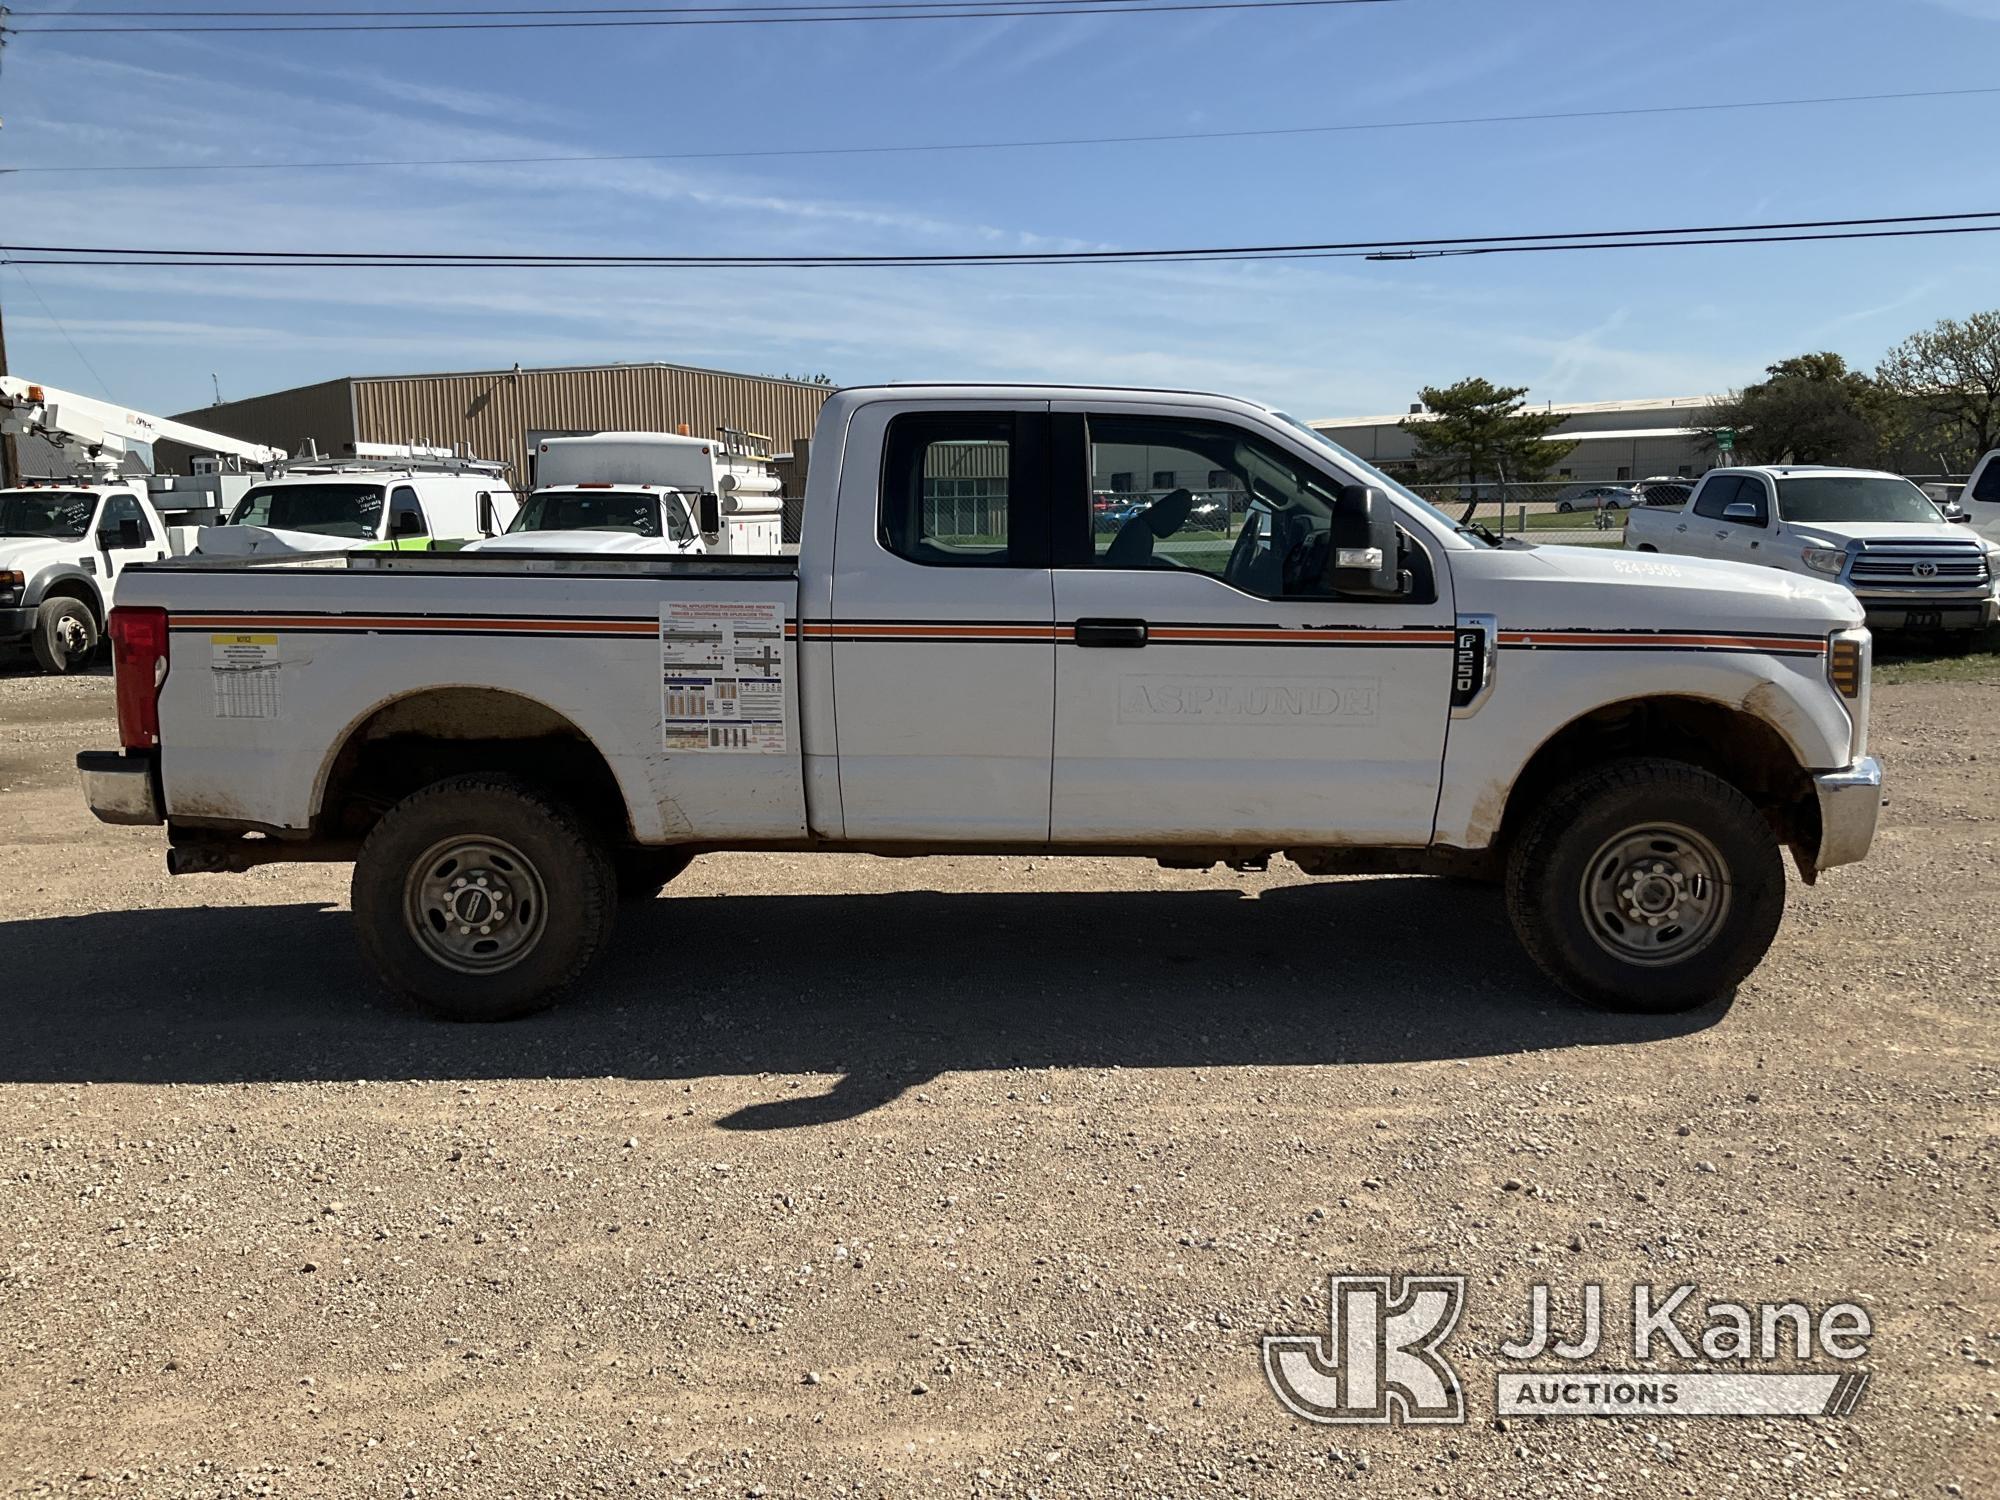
<point x="1918" y="566"/>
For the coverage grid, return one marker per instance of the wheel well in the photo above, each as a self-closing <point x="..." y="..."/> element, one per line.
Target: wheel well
<point x="82" y="592"/>
<point x="409" y="743"/>
<point x="1736" y="746"/>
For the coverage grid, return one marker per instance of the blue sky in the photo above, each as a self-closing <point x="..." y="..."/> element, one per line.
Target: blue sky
<point x="1321" y="338"/>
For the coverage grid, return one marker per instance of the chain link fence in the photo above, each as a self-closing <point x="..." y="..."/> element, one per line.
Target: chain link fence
<point x="1561" y="510"/>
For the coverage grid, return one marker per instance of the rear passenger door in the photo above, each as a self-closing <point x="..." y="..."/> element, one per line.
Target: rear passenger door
<point x="941" y="619"/>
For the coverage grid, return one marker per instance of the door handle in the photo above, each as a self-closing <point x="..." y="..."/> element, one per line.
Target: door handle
<point x="1128" y="634"/>
<point x="1722" y="536"/>
<point x="1682" y="527"/>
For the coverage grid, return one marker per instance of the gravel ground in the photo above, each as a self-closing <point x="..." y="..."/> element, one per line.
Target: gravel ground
<point x="964" y="1177"/>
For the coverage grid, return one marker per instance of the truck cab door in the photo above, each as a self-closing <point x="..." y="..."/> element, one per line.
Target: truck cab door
<point x="1702" y="530"/>
<point x="1211" y="687"/>
<point x="1746" y="524"/>
<point x="940" y="621"/>
<point x="124" y="534"/>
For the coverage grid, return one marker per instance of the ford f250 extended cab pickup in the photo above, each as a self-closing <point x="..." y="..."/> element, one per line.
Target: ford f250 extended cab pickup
<point x="1876" y="533"/>
<point x="960" y="660"/>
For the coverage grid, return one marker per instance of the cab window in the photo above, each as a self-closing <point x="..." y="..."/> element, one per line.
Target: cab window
<point x="965" y="489"/>
<point x="1717" y="496"/>
<point x="1222" y="502"/>
<point x="406" y="516"/>
<point x="119" y="509"/>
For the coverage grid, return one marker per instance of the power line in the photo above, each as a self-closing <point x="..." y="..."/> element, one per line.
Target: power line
<point x="406" y="12"/>
<point x="82" y="358"/>
<point x="1796" y="231"/>
<point x="1016" y="145"/>
<point x="959" y="11"/>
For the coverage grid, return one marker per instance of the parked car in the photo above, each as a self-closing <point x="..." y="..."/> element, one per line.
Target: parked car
<point x="1664" y="490"/>
<point x="1596" y="497"/>
<point x="1876" y="533"/>
<point x="504" y="745"/>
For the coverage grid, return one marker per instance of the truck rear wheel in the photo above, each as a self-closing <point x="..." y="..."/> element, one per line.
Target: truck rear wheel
<point x="1646" y="885"/>
<point x="481" y="898"/>
<point x="65" y="635"/>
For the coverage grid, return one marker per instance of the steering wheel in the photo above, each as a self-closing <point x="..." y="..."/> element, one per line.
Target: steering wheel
<point x="1240" y="555"/>
<point x="1305" y="559"/>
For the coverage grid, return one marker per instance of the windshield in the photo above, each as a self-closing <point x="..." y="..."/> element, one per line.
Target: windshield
<point x="1854" y="497"/>
<point x="324" y="509"/>
<point x="59" y="514"/>
<point x="1376" y="477"/>
<point x="602" y="510"/>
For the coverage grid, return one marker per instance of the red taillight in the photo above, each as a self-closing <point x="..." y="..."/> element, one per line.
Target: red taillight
<point x="139" y="668"/>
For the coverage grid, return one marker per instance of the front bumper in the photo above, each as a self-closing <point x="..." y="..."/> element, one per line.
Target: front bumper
<point x="1891" y="612"/>
<point x="122" y="788"/>
<point x="1850" y="802"/>
<point x="16" y="620"/>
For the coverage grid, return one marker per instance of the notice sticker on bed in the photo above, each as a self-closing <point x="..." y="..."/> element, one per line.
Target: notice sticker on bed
<point x="722" y="677"/>
<point x="243" y="669"/>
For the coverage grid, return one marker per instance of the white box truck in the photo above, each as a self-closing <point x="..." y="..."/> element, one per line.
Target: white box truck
<point x="648" y="492"/>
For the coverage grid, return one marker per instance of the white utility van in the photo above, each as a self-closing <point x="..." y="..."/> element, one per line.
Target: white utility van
<point x="379" y="499"/>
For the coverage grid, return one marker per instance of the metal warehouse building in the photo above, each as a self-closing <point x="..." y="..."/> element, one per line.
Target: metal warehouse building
<point x="503" y="414"/>
<point x="1615" y="440"/>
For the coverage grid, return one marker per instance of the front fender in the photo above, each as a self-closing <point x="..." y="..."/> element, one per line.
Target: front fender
<point x="1538" y="694"/>
<point x="40" y="585"/>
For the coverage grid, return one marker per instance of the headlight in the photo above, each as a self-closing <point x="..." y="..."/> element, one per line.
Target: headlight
<point x="1824" y="559"/>
<point x="11" y="580"/>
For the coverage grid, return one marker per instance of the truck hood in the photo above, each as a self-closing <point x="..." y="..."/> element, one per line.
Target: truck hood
<point x="267" y="541"/>
<point x="580" y="541"/>
<point x="1840" y="533"/>
<point x="27" y="554"/>
<point x="1563" y="588"/>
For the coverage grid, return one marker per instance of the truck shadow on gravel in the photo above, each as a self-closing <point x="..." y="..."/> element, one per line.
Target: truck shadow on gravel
<point x="885" y="991"/>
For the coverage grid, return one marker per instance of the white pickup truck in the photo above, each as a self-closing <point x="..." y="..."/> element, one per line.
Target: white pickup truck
<point x="1876" y="533"/>
<point x="504" y="745"/>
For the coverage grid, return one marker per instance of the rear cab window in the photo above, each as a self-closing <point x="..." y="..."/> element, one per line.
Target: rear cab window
<point x="966" y="489"/>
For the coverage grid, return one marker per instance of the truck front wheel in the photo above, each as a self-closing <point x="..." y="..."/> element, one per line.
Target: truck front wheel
<point x="1646" y="885"/>
<point x="482" y="898"/>
<point x="65" y="635"/>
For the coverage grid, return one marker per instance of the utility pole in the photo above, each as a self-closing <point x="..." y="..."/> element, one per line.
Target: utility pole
<point x="10" y="447"/>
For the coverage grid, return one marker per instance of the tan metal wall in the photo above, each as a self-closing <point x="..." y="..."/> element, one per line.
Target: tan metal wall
<point x="284" y="419"/>
<point x="490" y="412"/>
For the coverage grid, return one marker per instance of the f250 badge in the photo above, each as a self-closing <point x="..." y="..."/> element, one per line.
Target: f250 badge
<point x="1468" y="664"/>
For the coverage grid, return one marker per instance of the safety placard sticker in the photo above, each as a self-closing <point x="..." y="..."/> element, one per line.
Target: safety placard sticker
<point x="722" y="676"/>
<point x="244" y="672"/>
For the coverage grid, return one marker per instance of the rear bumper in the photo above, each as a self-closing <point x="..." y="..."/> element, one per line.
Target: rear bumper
<point x="1850" y="802"/>
<point x="17" y="620"/>
<point x="121" y="787"/>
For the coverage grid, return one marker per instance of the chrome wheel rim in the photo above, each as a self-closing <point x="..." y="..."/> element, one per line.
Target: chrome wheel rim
<point x="1655" y="895"/>
<point x="72" y="638"/>
<point x="475" y="904"/>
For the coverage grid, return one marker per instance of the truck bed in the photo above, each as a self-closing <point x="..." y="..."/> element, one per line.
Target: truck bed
<point x="287" y="675"/>
<point x="487" y="561"/>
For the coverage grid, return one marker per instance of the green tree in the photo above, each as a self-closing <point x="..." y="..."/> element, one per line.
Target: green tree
<point x="1951" y="373"/>
<point x="1476" y="430"/>
<point x="1811" y="409"/>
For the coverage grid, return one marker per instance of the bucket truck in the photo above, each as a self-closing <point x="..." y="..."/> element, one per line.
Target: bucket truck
<point x="64" y="541"/>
